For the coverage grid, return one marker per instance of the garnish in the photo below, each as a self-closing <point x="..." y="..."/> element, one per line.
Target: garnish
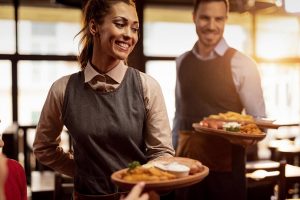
<point x="232" y="126"/>
<point x="133" y="165"/>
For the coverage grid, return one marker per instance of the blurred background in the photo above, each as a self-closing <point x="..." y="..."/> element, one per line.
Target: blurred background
<point x="38" y="45"/>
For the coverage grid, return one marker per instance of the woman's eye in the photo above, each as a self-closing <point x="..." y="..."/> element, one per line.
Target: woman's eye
<point x="135" y="30"/>
<point x="119" y="25"/>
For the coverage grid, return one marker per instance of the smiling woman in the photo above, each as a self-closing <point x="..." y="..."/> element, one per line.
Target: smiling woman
<point x="103" y="104"/>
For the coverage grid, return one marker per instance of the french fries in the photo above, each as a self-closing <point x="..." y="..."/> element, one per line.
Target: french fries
<point x="232" y="116"/>
<point x="250" y="129"/>
<point x="146" y="174"/>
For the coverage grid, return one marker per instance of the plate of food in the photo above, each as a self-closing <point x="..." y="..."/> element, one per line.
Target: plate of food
<point x="160" y="176"/>
<point x="246" y="119"/>
<point x="274" y="124"/>
<point x="230" y="130"/>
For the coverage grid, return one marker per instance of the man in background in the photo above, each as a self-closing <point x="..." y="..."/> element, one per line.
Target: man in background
<point x="214" y="78"/>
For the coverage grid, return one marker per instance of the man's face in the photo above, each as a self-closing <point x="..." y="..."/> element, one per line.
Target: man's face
<point x="210" y="21"/>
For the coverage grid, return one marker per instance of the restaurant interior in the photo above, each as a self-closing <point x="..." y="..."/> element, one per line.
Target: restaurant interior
<point x="38" y="45"/>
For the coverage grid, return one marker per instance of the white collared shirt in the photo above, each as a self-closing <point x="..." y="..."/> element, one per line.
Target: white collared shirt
<point x="245" y="75"/>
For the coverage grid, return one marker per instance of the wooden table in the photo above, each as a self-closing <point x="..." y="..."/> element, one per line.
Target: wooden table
<point x="42" y="185"/>
<point x="291" y="172"/>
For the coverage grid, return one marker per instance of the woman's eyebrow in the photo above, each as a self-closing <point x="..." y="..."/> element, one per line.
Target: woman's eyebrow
<point x="124" y="19"/>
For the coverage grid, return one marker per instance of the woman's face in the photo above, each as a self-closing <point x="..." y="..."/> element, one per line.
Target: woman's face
<point x="118" y="34"/>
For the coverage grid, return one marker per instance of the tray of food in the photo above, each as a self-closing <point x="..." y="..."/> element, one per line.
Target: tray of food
<point x="246" y="119"/>
<point x="160" y="176"/>
<point x="245" y="132"/>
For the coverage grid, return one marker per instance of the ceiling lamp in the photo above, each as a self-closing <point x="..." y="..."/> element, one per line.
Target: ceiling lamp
<point x="263" y="4"/>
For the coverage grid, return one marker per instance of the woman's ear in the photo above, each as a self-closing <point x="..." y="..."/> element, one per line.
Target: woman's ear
<point x="93" y="27"/>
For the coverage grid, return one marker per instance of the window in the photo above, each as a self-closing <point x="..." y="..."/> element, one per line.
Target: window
<point x="278" y="36"/>
<point x="49" y="31"/>
<point x="35" y="79"/>
<point x="5" y="94"/>
<point x="165" y="73"/>
<point x="7" y="30"/>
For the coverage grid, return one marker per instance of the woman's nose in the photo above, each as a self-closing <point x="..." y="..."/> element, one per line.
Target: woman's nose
<point x="127" y="32"/>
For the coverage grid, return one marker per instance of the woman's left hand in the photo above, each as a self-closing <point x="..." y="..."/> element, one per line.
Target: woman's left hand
<point x="196" y="167"/>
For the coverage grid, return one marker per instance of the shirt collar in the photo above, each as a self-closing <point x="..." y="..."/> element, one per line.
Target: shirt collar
<point x="219" y="50"/>
<point x="221" y="47"/>
<point x="117" y="73"/>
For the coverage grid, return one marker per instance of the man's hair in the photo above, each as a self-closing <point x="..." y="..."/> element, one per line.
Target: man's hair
<point x="197" y="2"/>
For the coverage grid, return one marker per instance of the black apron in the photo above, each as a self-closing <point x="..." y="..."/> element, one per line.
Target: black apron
<point x="207" y="87"/>
<point x="106" y="130"/>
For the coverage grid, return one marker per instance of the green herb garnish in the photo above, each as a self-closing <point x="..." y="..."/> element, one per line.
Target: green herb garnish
<point x="133" y="165"/>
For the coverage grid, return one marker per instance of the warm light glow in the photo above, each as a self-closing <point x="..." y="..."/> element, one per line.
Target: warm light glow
<point x="292" y="6"/>
<point x="277" y="38"/>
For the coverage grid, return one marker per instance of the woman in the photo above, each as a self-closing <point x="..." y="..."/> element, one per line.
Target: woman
<point x="114" y="113"/>
<point x="3" y="175"/>
<point x="12" y="178"/>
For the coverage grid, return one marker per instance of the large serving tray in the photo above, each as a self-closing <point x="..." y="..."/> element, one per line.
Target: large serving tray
<point x="273" y="124"/>
<point x="228" y="134"/>
<point x="261" y="123"/>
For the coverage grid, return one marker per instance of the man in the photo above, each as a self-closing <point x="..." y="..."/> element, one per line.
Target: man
<point x="214" y="78"/>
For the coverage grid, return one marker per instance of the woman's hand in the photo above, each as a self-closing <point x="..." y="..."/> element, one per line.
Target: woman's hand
<point x="196" y="167"/>
<point x="136" y="193"/>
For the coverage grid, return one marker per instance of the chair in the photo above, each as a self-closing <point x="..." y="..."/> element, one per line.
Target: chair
<point x="30" y="163"/>
<point x="11" y="145"/>
<point x="264" y="177"/>
<point x="290" y="153"/>
<point x="63" y="187"/>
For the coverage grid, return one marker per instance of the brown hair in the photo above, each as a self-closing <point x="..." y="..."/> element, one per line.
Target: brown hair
<point x="96" y="10"/>
<point x="197" y="2"/>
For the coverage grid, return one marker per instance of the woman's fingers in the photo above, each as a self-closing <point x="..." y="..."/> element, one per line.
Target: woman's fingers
<point x="196" y="167"/>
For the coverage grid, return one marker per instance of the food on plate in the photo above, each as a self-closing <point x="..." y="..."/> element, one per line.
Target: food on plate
<point x="140" y="173"/>
<point x="179" y="170"/>
<point x="210" y="123"/>
<point x="133" y="165"/>
<point x="232" y="116"/>
<point x="232" y="126"/>
<point x="247" y="128"/>
<point x="250" y="129"/>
